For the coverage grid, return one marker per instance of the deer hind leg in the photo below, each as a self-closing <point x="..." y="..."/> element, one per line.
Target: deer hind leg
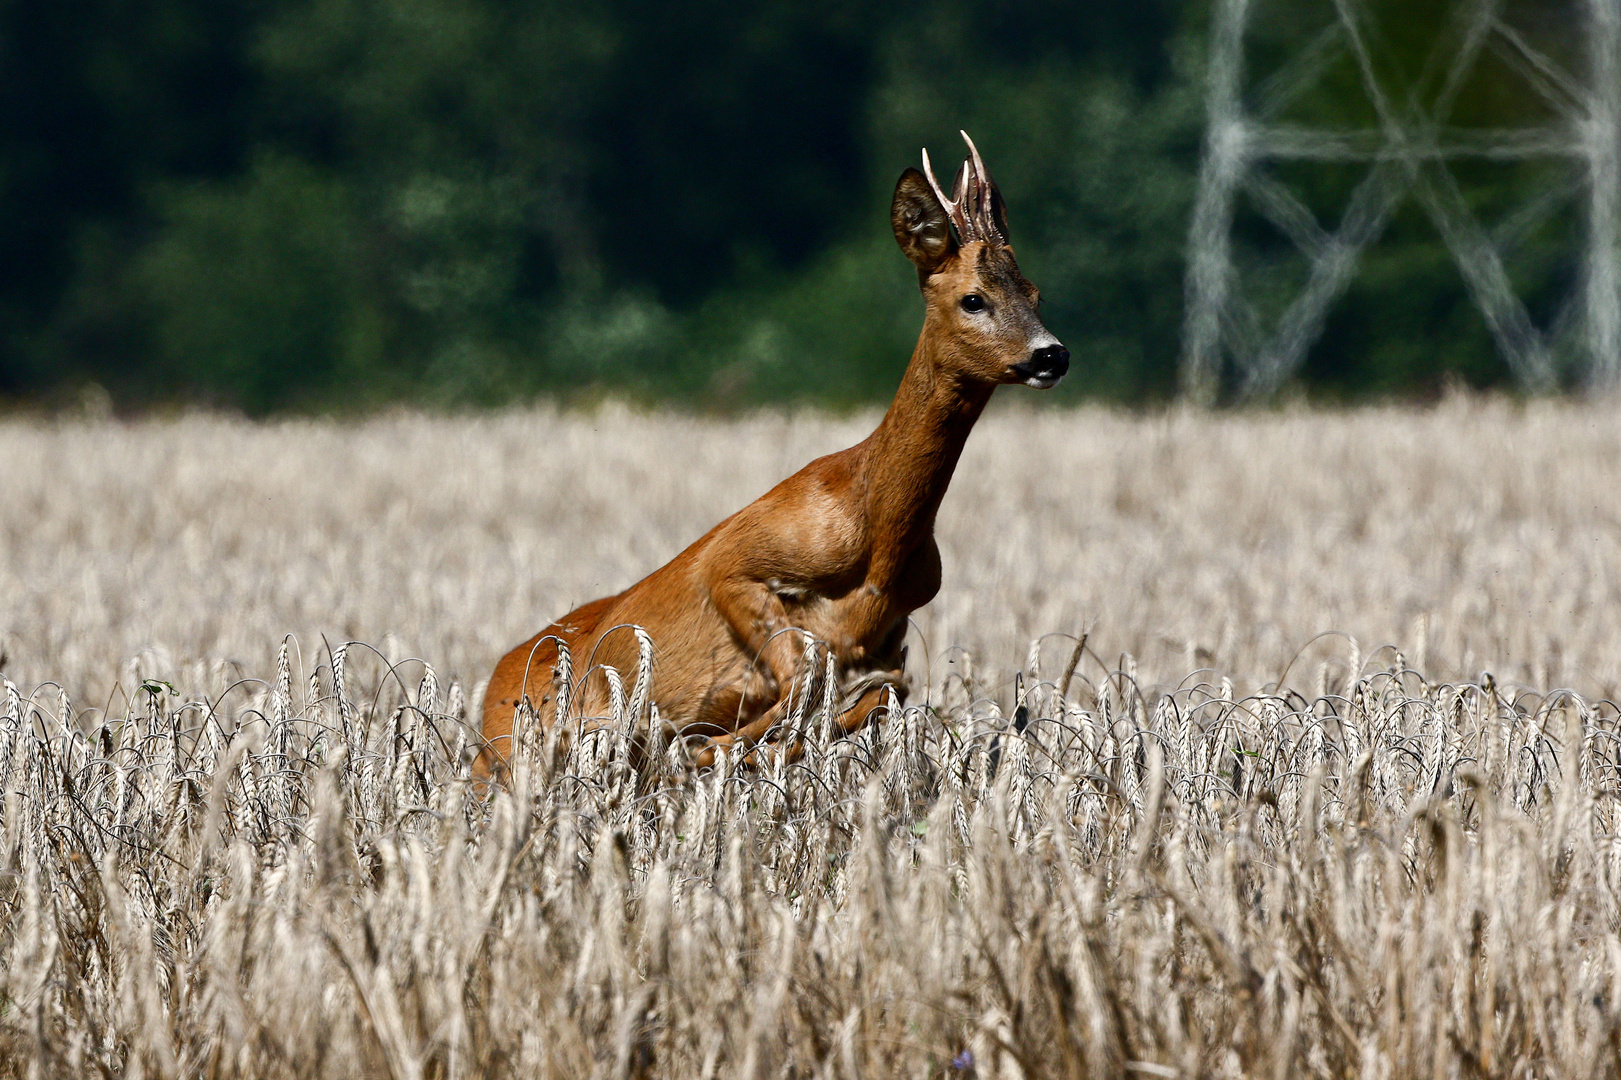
<point x="527" y="671"/>
<point x="521" y="673"/>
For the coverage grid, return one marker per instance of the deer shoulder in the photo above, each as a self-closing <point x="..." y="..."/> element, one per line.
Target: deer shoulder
<point x="805" y="538"/>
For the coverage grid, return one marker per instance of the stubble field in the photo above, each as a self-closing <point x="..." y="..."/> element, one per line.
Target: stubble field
<point x="1331" y="789"/>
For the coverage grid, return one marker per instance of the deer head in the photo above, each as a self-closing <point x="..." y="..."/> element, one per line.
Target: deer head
<point x="981" y="319"/>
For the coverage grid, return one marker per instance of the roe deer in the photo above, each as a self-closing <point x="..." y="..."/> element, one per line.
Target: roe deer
<point x="844" y="549"/>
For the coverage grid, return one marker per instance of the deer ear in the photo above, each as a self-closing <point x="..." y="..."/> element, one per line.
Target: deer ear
<point x="921" y="227"/>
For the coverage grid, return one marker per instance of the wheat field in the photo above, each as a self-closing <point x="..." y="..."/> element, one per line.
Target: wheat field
<point x="1330" y="790"/>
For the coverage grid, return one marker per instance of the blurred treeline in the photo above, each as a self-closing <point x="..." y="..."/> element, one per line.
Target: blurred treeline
<point x="273" y="204"/>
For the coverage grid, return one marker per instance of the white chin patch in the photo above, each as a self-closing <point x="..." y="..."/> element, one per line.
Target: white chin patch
<point x="1043" y="382"/>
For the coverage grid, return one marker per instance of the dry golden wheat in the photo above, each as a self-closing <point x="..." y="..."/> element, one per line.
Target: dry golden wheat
<point x="227" y="852"/>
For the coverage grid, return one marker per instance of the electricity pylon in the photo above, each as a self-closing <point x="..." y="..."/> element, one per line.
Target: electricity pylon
<point x="1407" y="154"/>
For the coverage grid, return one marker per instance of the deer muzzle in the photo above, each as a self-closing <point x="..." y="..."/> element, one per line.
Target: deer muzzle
<point x="1045" y="367"/>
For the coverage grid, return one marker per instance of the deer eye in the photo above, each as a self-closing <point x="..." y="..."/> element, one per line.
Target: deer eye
<point x="973" y="302"/>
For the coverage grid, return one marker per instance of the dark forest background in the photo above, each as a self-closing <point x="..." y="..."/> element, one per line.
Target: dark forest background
<point x="334" y="204"/>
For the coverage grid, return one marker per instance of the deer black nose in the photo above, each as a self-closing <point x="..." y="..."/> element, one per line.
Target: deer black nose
<point x="1044" y="368"/>
<point x="1050" y="360"/>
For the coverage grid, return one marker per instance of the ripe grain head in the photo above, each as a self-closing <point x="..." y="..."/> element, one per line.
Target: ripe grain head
<point x="1211" y="843"/>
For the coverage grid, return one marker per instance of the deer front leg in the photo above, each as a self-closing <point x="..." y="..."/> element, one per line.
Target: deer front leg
<point x="745" y="736"/>
<point x="873" y="699"/>
<point x="760" y="625"/>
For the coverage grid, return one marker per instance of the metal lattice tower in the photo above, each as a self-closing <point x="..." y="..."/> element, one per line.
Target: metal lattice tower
<point x="1407" y="154"/>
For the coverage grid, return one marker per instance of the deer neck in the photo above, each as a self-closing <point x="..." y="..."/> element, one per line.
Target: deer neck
<point x="913" y="452"/>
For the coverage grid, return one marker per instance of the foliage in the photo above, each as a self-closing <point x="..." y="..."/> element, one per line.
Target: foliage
<point x="291" y="203"/>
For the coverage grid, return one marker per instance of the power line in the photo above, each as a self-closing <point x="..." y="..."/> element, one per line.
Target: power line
<point x="1407" y="152"/>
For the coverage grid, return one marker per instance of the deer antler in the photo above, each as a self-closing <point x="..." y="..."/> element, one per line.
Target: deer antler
<point x="972" y="207"/>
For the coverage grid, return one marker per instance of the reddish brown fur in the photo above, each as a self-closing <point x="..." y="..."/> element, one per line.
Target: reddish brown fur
<point x="843" y="549"/>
